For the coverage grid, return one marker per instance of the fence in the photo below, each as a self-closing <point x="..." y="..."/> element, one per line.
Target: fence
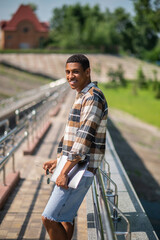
<point x="106" y="211"/>
<point x="30" y="127"/>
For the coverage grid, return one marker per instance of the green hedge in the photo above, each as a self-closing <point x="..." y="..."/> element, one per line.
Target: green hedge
<point x="48" y="51"/>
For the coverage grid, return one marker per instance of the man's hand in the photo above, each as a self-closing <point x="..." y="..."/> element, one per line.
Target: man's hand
<point x="50" y="165"/>
<point x="62" y="181"/>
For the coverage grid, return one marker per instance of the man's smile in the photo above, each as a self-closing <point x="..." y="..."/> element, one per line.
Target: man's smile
<point x="72" y="82"/>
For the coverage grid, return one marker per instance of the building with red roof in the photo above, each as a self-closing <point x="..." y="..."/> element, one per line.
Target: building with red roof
<point x="24" y="30"/>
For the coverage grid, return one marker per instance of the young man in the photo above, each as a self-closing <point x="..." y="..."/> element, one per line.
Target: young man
<point x="84" y="139"/>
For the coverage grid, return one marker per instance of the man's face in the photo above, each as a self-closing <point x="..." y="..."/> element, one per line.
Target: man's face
<point x="76" y="76"/>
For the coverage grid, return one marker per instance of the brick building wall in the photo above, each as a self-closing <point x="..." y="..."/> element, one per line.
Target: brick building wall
<point x="25" y="36"/>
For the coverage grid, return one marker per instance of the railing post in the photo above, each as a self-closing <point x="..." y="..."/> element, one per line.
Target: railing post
<point x="109" y="190"/>
<point x="33" y="124"/>
<point x="13" y="158"/>
<point x="115" y="216"/>
<point x="17" y="116"/>
<point x="4" y="170"/>
<point x="6" y="127"/>
<point x="26" y="133"/>
<point x="4" y="176"/>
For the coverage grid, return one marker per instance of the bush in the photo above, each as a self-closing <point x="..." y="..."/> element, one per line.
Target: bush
<point x="141" y="79"/>
<point x="120" y="75"/>
<point x="155" y="80"/>
<point x="134" y="88"/>
<point x="157" y="95"/>
<point x="117" y="76"/>
<point x="112" y="77"/>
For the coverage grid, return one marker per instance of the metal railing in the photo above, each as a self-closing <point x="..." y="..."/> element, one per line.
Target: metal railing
<point x="8" y="147"/>
<point x="104" y="224"/>
<point x="28" y="127"/>
<point x="126" y="233"/>
<point x="106" y="211"/>
<point x="29" y="98"/>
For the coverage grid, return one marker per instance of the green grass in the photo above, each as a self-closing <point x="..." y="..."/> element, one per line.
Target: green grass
<point x="143" y="105"/>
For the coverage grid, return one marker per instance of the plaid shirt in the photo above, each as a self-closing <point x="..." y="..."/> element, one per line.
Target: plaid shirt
<point x="85" y="132"/>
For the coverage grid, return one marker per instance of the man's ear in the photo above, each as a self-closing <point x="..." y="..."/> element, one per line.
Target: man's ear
<point x="88" y="72"/>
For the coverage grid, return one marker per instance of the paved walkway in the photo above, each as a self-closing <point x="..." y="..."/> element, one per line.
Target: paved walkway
<point x="21" y="216"/>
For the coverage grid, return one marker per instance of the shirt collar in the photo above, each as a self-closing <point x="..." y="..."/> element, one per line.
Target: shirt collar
<point x="85" y="90"/>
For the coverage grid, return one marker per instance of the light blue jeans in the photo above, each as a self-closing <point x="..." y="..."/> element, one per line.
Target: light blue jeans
<point x="64" y="203"/>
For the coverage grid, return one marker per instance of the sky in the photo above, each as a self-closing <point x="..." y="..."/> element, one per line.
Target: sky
<point x="45" y="7"/>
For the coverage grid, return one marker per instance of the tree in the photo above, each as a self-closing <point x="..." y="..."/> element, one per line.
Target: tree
<point x="74" y="25"/>
<point x="124" y="28"/>
<point x="85" y="27"/>
<point x="146" y="25"/>
<point x="33" y="6"/>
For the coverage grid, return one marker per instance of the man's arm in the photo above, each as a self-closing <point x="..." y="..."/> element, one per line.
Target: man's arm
<point x="90" y="118"/>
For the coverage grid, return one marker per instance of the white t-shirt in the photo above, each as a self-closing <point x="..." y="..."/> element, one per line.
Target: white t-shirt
<point x="88" y="174"/>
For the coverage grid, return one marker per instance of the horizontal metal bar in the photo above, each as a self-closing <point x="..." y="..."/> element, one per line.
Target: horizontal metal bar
<point x="6" y="158"/>
<point x="121" y="233"/>
<point x="13" y="131"/>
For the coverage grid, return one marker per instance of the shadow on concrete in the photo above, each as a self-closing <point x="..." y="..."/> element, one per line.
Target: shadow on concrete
<point x="90" y="220"/>
<point x="139" y="225"/>
<point x="29" y="213"/>
<point x="143" y="182"/>
<point x="54" y="142"/>
<point x="9" y="201"/>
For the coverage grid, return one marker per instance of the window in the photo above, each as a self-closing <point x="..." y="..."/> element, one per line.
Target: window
<point x="9" y="37"/>
<point x="25" y="29"/>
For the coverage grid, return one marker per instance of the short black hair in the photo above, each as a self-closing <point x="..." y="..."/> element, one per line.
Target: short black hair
<point x="80" y="58"/>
